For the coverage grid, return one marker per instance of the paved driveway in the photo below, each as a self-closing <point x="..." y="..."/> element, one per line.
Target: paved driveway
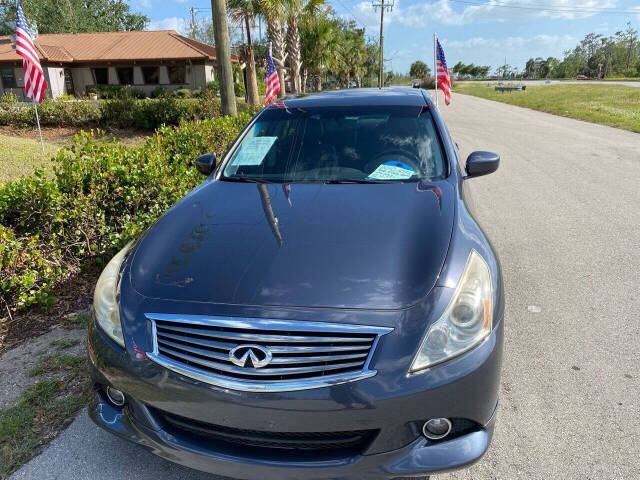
<point x="563" y="211"/>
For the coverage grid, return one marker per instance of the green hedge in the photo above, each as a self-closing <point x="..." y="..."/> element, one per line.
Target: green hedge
<point x="118" y="112"/>
<point x="102" y="195"/>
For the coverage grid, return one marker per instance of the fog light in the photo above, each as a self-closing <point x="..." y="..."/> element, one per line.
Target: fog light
<point x="115" y="396"/>
<point x="436" y="428"/>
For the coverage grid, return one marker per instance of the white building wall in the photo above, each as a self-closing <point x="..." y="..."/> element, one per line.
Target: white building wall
<point x="113" y="76"/>
<point x="55" y="79"/>
<point x="163" y="75"/>
<point x="82" y="78"/>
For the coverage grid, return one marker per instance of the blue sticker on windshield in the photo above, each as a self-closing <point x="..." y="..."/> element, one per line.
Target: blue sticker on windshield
<point x="397" y="163"/>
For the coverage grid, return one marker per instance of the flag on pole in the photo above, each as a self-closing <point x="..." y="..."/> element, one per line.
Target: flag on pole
<point x="272" y="82"/>
<point x="34" y="83"/>
<point x="442" y="73"/>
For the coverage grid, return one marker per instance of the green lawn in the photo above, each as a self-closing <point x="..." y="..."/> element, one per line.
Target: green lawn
<point x="21" y="156"/>
<point x="613" y="105"/>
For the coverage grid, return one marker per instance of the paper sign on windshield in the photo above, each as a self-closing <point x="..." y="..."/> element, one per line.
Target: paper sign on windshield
<point x="253" y="150"/>
<point x="392" y="170"/>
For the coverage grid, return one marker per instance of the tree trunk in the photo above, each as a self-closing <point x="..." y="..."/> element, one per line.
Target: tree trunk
<point x="223" y="57"/>
<point x="275" y="34"/>
<point x="305" y="74"/>
<point x="293" y="46"/>
<point x="252" y="82"/>
<point x="318" y="83"/>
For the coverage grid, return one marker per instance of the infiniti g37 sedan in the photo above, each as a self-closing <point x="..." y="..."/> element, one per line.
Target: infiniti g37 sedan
<point x="323" y="306"/>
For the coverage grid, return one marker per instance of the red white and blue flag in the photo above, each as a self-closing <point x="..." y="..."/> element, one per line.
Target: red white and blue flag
<point x="444" y="81"/>
<point x="272" y="82"/>
<point x="34" y="83"/>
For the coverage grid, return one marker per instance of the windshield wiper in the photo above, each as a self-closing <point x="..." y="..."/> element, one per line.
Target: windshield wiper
<point x="355" y="180"/>
<point x="244" y="179"/>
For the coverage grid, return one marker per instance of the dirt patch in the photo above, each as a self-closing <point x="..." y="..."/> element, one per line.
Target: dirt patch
<point x="73" y="295"/>
<point x="20" y="366"/>
<point x="64" y="135"/>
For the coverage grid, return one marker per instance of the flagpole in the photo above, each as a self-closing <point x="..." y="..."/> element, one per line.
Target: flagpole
<point x="435" y="67"/>
<point x="35" y="108"/>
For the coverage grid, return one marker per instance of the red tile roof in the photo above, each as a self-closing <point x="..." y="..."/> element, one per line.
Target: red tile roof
<point x="114" y="47"/>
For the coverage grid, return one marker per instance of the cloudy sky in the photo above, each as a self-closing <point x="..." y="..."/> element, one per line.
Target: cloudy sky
<point x="472" y="31"/>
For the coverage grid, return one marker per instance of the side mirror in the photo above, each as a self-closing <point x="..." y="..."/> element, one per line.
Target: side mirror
<point x="206" y="163"/>
<point x="482" y="163"/>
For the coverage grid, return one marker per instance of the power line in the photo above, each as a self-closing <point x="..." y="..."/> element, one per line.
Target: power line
<point x="383" y="7"/>
<point x="549" y="8"/>
<point x="350" y="12"/>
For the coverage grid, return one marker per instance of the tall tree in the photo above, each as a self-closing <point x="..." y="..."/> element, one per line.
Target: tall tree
<point x="274" y="13"/>
<point x="305" y="11"/>
<point x="75" y="16"/>
<point x="244" y="12"/>
<point x="223" y="57"/>
<point x="419" y="69"/>
<point x="319" y="42"/>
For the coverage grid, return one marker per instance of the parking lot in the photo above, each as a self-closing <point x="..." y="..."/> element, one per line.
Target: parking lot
<point x="562" y="212"/>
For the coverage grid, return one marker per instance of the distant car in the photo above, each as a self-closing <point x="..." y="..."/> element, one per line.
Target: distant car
<point x="547" y="82"/>
<point x="352" y="84"/>
<point x="324" y="305"/>
<point x="582" y="77"/>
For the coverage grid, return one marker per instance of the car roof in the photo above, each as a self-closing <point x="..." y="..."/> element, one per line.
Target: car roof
<point x="392" y="96"/>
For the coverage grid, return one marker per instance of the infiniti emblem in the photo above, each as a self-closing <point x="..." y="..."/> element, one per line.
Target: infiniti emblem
<point x="250" y="356"/>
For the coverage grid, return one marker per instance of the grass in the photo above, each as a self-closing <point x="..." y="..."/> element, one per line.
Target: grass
<point x="43" y="411"/>
<point x="613" y="105"/>
<point x="63" y="344"/>
<point x="21" y="156"/>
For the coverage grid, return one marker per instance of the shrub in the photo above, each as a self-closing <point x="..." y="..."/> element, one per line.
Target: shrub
<point x="102" y="195"/>
<point x="182" y="93"/>
<point x="213" y="87"/>
<point x="136" y="93"/>
<point x="8" y="98"/>
<point x="238" y="88"/>
<point x="159" y="92"/>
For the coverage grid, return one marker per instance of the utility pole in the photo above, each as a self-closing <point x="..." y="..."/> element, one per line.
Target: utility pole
<point x="194" y="27"/>
<point x="223" y="56"/>
<point x="382" y="5"/>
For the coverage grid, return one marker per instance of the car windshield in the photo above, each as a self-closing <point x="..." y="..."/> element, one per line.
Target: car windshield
<point x="368" y="144"/>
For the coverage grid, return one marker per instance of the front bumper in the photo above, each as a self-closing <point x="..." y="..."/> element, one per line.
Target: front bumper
<point x="392" y="404"/>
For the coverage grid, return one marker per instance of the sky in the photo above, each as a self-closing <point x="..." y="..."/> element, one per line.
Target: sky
<point x="472" y="31"/>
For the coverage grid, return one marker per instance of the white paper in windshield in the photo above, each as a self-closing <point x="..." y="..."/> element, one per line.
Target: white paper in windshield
<point x="392" y="171"/>
<point x="253" y="150"/>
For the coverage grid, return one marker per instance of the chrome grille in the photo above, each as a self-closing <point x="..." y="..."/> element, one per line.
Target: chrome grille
<point x="301" y="354"/>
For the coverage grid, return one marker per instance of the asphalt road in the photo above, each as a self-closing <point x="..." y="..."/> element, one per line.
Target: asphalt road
<point x="563" y="213"/>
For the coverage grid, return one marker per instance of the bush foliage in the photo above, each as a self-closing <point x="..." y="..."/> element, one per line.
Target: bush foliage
<point x="118" y="111"/>
<point x="102" y="195"/>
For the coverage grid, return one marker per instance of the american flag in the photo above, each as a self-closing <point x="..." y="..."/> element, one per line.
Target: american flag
<point x="273" y="82"/>
<point x="444" y="81"/>
<point x="34" y="83"/>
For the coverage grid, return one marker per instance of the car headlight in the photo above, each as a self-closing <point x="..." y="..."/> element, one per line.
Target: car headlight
<point x="465" y="323"/>
<point x="106" y="297"/>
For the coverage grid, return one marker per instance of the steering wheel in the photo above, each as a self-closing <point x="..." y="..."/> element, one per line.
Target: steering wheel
<point x="393" y="154"/>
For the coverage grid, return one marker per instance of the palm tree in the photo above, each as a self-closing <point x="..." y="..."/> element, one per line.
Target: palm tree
<point x="305" y="11"/>
<point x="274" y="14"/>
<point x="319" y="43"/>
<point x="245" y="11"/>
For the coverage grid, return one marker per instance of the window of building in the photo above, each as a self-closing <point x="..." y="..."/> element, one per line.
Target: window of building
<point x="125" y="75"/>
<point x="177" y="74"/>
<point x="101" y="76"/>
<point x="151" y="75"/>
<point x="9" y="78"/>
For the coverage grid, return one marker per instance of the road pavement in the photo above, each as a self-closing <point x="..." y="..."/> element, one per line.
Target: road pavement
<point x="563" y="213"/>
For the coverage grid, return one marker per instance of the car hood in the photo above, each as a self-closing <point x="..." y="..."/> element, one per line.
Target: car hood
<point x="372" y="246"/>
